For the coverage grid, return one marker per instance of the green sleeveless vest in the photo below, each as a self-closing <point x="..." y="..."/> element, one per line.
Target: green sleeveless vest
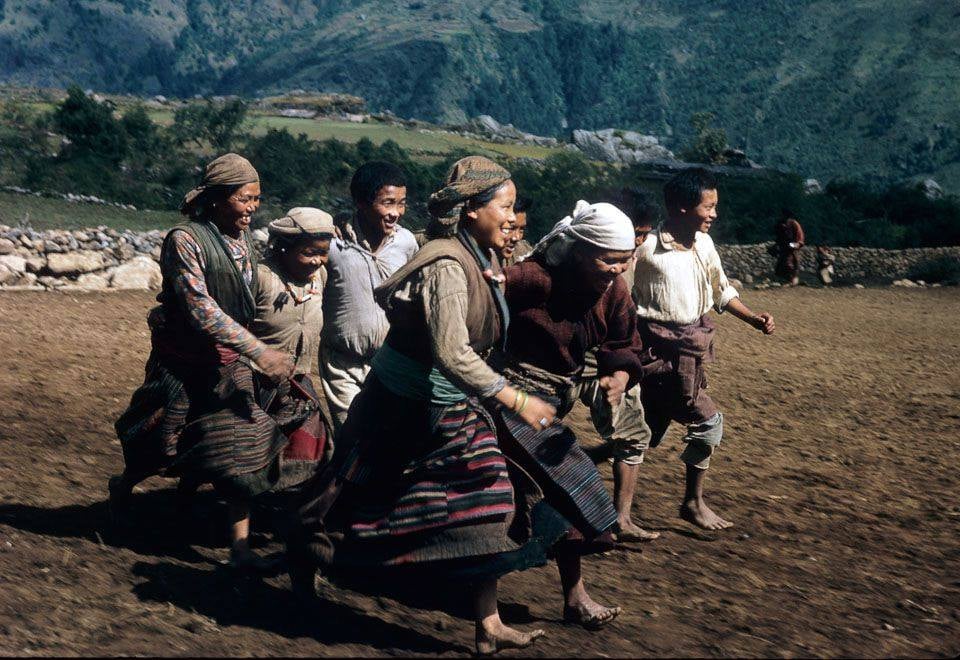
<point x="221" y="272"/>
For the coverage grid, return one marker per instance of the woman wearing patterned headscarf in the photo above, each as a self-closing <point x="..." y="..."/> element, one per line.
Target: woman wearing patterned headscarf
<point x="423" y="482"/>
<point x="195" y="416"/>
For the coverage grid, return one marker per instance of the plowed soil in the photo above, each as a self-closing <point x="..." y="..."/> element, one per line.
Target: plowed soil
<point x="839" y="468"/>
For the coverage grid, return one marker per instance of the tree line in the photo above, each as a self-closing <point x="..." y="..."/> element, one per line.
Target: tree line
<point x="88" y="146"/>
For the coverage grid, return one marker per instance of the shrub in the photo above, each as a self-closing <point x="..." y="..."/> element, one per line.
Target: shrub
<point x="90" y="126"/>
<point x="943" y="269"/>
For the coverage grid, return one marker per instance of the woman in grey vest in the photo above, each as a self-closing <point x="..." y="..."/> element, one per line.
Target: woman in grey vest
<point x="196" y="415"/>
<point x="419" y="484"/>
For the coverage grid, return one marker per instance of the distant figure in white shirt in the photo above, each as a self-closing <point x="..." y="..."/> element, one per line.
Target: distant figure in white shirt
<point x="678" y="279"/>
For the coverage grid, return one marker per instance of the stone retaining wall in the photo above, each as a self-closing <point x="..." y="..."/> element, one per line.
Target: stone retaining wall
<point x="103" y="258"/>
<point x="88" y="259"/>
<point x="752" y="263"/>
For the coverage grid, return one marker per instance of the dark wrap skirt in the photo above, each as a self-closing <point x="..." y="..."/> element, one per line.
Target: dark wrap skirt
<point x="419" y="484"/>
<point x="206" y="424"/>
<point x="566" y="476"/>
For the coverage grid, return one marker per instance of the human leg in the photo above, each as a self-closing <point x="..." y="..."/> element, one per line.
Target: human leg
<point x="239" y="519"/>
<point x="492" y="635"/>
<point x="578" y="606"/>
<point x="702" y="439"/>
<point x="624" y="428"/>
<point x="624" y="486"/>
<point x="186" y="490"/>
<point x="120" y="490"/>
<point x="795" y="268"/>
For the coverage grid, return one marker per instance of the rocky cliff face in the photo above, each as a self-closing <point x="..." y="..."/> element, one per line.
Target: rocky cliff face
<point x="617" y="146"/>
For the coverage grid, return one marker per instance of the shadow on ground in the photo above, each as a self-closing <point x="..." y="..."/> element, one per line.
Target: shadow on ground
<point x="156" y="527"/>
<point x="256" y="604"/>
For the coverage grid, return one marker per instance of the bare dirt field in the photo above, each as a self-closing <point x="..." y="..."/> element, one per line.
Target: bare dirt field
<point x="838" y="467"/>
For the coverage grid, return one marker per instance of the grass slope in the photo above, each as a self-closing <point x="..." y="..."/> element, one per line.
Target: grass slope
<point x="52" y="213"/>
<point x="866" y="88"/>
<point x="421" y="141"/>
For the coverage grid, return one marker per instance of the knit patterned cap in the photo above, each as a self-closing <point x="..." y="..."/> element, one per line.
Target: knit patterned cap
<point x="468" y="177"/>
<point x="226" y="170"/>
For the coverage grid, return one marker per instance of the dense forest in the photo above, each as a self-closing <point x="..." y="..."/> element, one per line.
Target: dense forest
<point x="832" y="90"/>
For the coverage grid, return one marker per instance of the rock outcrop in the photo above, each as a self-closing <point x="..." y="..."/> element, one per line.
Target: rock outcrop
<point x="487" y="128"/>
<point x="75" y="263"/>
<point x="617" y="146"/>
<point x="138" y="273"/>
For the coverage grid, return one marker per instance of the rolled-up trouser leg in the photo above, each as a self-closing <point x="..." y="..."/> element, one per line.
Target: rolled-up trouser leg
<point x="622" y="426"/>
<point x="702" y="438"/>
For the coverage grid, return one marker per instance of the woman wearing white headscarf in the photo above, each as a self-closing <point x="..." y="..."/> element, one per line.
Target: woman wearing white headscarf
<point x="566" y="298"/>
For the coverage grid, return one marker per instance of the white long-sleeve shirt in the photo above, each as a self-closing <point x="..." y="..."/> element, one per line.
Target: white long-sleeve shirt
<point x="676" y="285"/>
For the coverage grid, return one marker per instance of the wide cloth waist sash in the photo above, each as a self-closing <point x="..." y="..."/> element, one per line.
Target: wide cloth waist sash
<point x="568" y="477"/>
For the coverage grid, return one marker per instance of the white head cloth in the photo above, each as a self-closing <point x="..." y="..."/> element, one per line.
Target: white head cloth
<point x="601" y="225"/>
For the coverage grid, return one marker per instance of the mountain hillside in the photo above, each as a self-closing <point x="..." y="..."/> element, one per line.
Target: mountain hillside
<point x="830" y="89"/>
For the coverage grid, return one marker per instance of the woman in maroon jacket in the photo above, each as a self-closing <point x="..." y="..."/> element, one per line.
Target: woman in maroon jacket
<point x="564" y="300"/>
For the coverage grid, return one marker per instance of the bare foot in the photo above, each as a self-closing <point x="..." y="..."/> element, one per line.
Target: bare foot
<point x="699" y="514"/>
<point x="590" y="614"/>
<point x="631" y="532"/>
<point x="498" y="637"/>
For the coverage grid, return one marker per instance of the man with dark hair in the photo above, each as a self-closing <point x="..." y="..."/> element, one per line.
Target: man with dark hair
<point x="790" y="240"/>
<point x="678" y="280"/>
<point x="516" y="248"/>
<point x="371" y="246"/>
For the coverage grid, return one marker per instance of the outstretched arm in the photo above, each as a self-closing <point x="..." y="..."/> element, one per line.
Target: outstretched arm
<point x="762" y="321"/>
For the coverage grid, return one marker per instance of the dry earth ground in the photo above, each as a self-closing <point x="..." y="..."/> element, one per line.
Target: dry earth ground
<point x="839" y="468"/>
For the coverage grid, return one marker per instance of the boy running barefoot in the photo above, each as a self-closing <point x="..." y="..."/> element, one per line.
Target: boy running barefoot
<point x="679" y="278"/>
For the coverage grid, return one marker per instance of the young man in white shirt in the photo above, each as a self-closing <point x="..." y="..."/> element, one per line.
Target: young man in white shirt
<point x="678" y="279"/>
<point x="371" y="246"/>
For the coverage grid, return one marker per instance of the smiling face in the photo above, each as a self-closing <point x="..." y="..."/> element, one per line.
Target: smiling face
<point x="492" y="224"/>
<point x="597" y="268"/>
<point x="234" y="214"/>
<point x="304" y="258"/>
<point x="640" y="233"/>
<point x="381" y="217"/>
<point x="516" y="235"/>
<point x="702" y="216"/>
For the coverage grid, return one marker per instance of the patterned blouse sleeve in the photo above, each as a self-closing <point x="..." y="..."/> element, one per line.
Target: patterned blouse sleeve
<point x="183" y="264"/>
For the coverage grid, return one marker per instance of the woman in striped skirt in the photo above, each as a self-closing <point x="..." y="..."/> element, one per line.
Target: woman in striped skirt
<point x="196" y="416"/>
<point x="421" y="480"/>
